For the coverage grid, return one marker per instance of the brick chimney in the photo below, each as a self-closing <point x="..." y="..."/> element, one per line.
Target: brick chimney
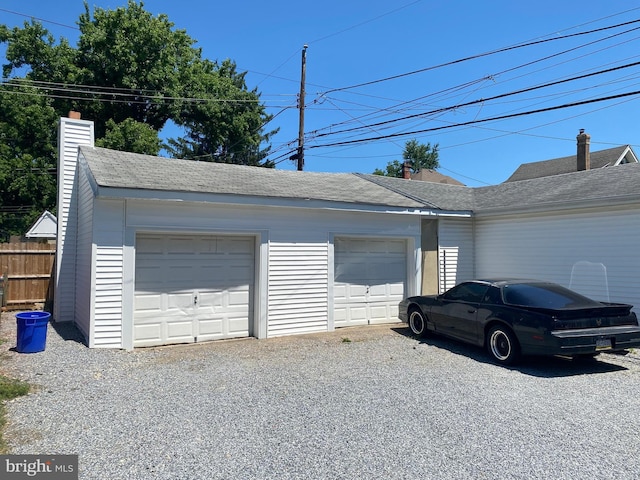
<point x="584" y="157"/>
<point x="406" y="171"/>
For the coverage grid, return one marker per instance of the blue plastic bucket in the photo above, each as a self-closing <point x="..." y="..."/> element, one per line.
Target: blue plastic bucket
<point x="32" y="331"/>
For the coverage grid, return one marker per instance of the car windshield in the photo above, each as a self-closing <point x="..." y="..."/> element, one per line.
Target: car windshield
<point x="544" y="295"/>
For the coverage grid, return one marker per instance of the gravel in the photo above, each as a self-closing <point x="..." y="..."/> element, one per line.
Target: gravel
<point x="364" y="402"/>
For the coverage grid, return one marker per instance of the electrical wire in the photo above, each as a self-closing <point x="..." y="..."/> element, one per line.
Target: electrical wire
<point x="483" y="100"/>
<point x="473" y="122"/>
<point x="480" y="55"/>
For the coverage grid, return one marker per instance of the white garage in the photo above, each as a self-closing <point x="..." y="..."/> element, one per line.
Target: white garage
<point x="192" y="288"/>
<point x="370" y="277"/>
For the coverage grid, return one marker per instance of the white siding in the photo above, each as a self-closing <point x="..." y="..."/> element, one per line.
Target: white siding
<point x="455" y="252"/>
<point x="294" y="258"/>
<point x="84" y="280"/>
<point x="298" y="290"/>
<point x="72" y="133"/>
<point x="552" y="246"/>
<point x="109" y="232"/>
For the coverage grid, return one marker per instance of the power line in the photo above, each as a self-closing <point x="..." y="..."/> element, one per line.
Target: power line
<point x="480" y="55"/>
<point x="473" y="122"/>
<point x="483" y="100"/>
<point x="492" y="76"/>
<point x="39" y="19"/>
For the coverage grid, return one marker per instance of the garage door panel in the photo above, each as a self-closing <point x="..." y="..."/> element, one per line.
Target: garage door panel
<point x="148" y="334"/>
<point x="370" y="279"/>
<point x="179" y="331"/>
<point x="192" y="288"/>
<point x="148" y="302"/>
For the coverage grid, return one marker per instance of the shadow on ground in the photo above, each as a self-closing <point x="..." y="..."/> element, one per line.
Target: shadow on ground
<point x="544" y="367"/>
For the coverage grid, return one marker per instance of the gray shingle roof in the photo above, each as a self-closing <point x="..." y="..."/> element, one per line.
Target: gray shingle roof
<point x="600" y="186"/>
<point x="434" y="195"/>
<point x="116" y="169"/>
<point x="558" y="166"/>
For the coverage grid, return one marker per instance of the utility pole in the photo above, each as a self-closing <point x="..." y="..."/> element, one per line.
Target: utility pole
<point x="300" y="153"/>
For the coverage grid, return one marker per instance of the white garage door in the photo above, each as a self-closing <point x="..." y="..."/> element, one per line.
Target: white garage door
<point x="370" y="279"/>
<point x="192" y="288"/>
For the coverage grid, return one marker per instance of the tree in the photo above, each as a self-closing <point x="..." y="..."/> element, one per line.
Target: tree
<point x="131" y="73"/>
<point x="27" y="158"/>
<point x="131" y="136"/>
<point x="419" y="156"/>
<point x="222" y="131"/>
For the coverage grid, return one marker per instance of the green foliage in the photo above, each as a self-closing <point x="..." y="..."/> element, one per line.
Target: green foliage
<point x="9" y="388"/>
<point x="131" y="136"/>
<point x="131" y="73"/>
<point x="419" y="156"/>
<point x="27" y="158"/>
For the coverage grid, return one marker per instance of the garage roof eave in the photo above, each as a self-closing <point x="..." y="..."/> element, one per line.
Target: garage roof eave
<point x="247" y="200"/>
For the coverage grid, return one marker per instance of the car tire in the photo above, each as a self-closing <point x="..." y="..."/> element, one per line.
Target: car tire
<point x="503" y="345"/>
<point x="417" y="322"/>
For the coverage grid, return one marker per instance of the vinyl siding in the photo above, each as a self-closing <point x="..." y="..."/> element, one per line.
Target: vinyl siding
<point x="295" y="258"/>
<point x="552" y="247"/>
<point x="72" y="133"/>
<point x="298" y="287"/>
<point x="83" y="260"/>
<point x="109" y="239"/>
<point x="455" y="252"/>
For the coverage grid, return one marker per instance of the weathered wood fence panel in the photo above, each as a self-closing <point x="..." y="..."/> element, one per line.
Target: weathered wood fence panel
<point x="27" y="270"/>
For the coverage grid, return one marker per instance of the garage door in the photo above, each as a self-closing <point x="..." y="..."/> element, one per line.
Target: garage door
<point x="370" y="280"/>
<point x="192" y="288"/>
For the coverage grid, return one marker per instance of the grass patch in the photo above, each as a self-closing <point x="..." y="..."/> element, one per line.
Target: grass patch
<point x="9" y="388"/>
<point x="346" y="340"/>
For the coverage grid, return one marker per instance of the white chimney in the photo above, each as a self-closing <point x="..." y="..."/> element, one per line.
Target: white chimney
<point x="72" y="133"/>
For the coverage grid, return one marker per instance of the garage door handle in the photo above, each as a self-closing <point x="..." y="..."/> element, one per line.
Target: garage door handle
<point x="195" y="300"/>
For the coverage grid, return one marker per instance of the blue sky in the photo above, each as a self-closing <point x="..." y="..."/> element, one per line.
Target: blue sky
<point x="365" y="42"/>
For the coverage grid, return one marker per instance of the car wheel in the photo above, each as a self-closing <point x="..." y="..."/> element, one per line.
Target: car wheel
<point x="417" y="322"/>
<point x="503" y="345"/>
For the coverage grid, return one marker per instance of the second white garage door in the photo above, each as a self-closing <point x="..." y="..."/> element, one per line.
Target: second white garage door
<point x="370" y="279"/>
<point x="192" y="288"/>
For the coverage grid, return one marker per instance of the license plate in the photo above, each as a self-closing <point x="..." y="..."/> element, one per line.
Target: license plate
<point x="603" y="344"/>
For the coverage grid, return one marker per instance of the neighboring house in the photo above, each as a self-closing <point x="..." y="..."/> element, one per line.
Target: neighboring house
<point x="154" y="251"/>
<point x="601" y="159"/>
<point x="435" y="177"/>
<point x="45" y="227"/>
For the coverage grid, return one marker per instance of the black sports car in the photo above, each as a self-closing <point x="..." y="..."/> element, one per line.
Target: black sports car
<point x="523" y="317"/>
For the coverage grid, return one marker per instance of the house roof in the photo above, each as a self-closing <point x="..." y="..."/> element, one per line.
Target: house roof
<point x="116" y="169"/>
<point x="427" y="175"/>
<point x="433" y="195"/>
<point x="558" y="166"/>
<point x="599" y="186"/>
<point x="45" y="227"/>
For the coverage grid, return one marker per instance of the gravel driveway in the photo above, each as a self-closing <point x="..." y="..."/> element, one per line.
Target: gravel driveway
<point x="382" y="405"/>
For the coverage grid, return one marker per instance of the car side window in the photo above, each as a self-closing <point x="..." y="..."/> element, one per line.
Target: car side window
<point x="492" y="296"/>
<point x="467" y="292"/>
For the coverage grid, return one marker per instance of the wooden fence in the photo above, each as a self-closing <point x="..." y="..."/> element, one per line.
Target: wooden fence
<point x="27" y="273"/>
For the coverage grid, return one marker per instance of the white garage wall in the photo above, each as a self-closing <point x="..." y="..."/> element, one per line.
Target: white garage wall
<point x="455" y="251"/>
<point x="294" y="259"/>
<point x="84" y="283"/>
<point x="109" y="285"/>
<point x="551" y="247"/>
<point x="298" y="287"/>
